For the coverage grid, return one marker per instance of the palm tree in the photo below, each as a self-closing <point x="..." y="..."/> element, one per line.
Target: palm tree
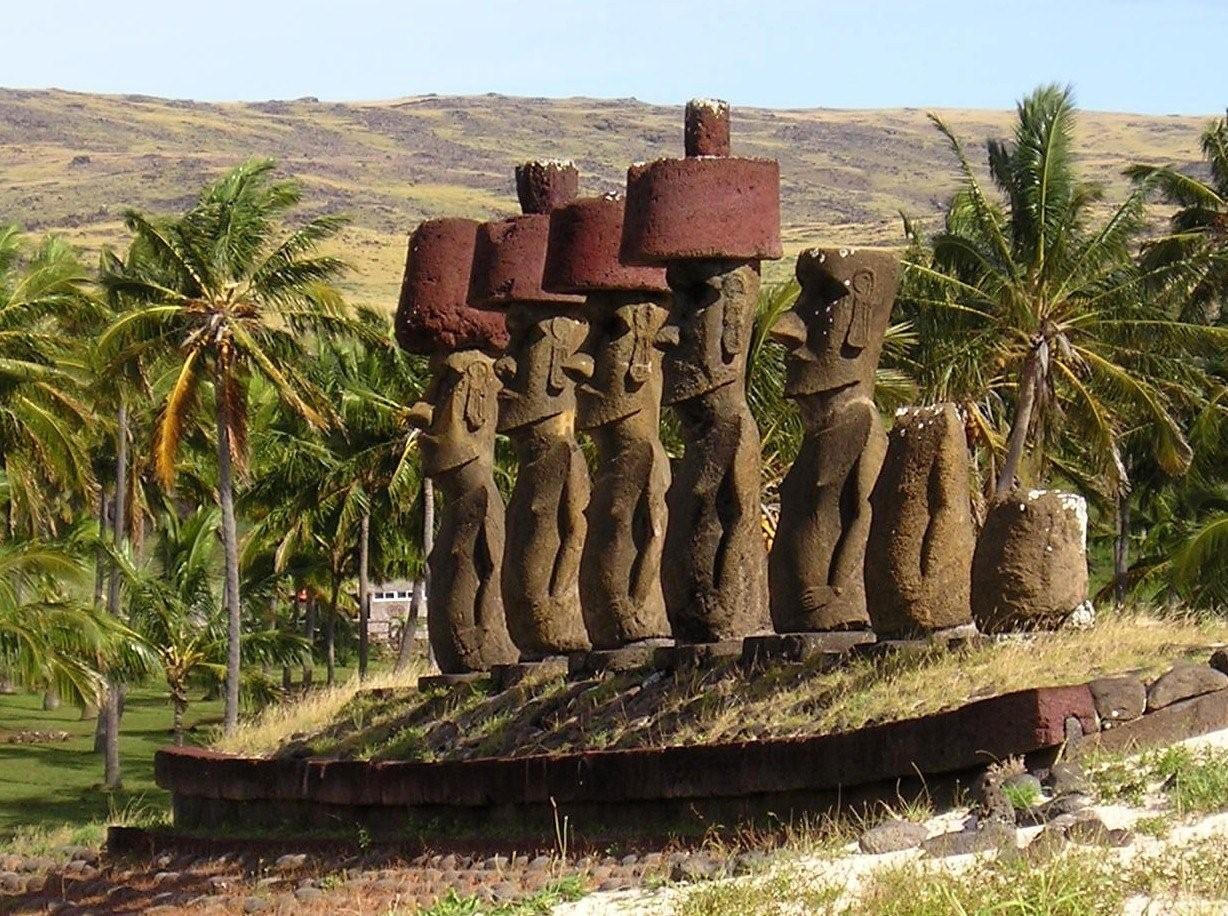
<point x="1037" y="318"/>
<point x="232" y="288"/>
<point x="175" y="607"/>
<point x="1200" y="223"/>
<point x="43" y="411"/>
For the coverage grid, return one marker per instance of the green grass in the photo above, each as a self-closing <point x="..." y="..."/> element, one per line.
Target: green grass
<point x="541" y="903"/>
<point x="1195" y="781"/>
<point x="60" y="783"/>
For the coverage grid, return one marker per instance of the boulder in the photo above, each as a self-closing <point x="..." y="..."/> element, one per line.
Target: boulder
<point x="1219" y="660"/>
<point x="1118" y="699"/>
<point x="1030" y="566"/>
<point x="892" y="836"/>
<point x="986" y="836"/>
<point x="1182" y="682"/>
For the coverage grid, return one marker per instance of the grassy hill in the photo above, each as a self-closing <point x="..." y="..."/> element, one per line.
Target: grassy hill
<point x="71" y="162"/>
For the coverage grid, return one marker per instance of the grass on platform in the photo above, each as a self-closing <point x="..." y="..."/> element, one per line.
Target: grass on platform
<point x="723" y="704"/>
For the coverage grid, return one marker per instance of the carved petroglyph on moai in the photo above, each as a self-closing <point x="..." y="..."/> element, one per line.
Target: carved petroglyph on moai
<point x="919" y="558"/>
<point x="1030" y="566"/>
<point x="545" y="515"/>
<point x="619" y="407"/>
<point x="833" y="334"/>
<point x="710" y="219"/>
<point x="465" y="619"/>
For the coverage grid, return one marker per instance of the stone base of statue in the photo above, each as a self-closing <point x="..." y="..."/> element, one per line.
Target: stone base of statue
<point x="631" y="657"/>
<point x="801" y="647"/>
<point x="430" y="682"/>
<point x="697" y="655"/>
<point x="960" y="637"/>
<point x="504" y="677"/>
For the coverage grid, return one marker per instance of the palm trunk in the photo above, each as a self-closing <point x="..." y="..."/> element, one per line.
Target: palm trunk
<point x="112" y="711"/>
<point x="100" y="565"/>
<point x="1028" y="382"/>
<point x="1121" y="547"/>
<point x="179" y="703"/>
<point x="364" y="589"/>
<point x="330" y="632"/>
<point x="51" y="699"/>
<point x="418" y="605"/>
<point x="286" y="680"/>
<point x="230" y="541"/>
<point x="309" y="629"/>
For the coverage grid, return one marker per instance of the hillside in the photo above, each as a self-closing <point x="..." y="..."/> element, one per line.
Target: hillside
<point x="71" y="162"/>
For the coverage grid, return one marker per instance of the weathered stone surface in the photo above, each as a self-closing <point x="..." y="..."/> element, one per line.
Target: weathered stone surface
<point x="620" y="407"/>
<point x="544" y="184"/>
<point x="987" y="836"/>
<point x="584" y="252"/>
<point x="1183" y="682"/>
<point x="707" y="128"/>
<point x="696" y="655"/>
<point x="892" y="836"/>
<point x="1219" y="660"/>
<point x="433" y="314"/>
<point x="802" y="647"/>
<point x="509" y="263"/>
<point x="465" y="616"/>
<point x="716" y="585"/>
<point x="1184" y="719"/>
<point x="1030" y="566"/>
<point x="630" y="657"/>
<point x="1118" y="699"/>
<point x="919" y="556"/>
<point x="833" y="336"/>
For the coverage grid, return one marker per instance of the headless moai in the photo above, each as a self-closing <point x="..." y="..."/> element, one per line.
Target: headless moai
<point x="465" y="619"/>
<point x="1030" y="566"/>
<point x="620" y="408"/>
<point x="709" y="219"/>
<point x="918" y="569"/>
<point x="833" y="335"/>
<point x="537" y="410"/>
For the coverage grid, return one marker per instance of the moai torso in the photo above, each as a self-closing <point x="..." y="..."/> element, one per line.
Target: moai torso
<point x="709" y="219"/>
<point x="465" y="618"/>
<point x="919" y="559"/>
<point x="833" y="335"/>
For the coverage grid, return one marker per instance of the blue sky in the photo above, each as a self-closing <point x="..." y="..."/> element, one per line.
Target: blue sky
<point x="1125" y="55"/>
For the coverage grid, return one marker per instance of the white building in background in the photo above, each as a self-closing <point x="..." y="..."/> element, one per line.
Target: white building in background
<point x="390" y="603"/>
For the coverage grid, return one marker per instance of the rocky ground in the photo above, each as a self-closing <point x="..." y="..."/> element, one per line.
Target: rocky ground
<point x="1154" y="824"/>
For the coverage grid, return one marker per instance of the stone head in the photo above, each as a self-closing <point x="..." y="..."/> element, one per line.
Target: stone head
<point x="833" y="335"/>
<point x="539" y="380"/>
<point x="707" y="334"/>
<point x="624" y="340"/>
<point x="460" y="414"/>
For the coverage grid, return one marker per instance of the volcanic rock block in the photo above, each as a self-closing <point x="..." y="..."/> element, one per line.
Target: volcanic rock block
<point x="1030" y="566"/>
<point x="537" y="409"/>
<point x="1182" y="682"/>
<point x="833" y="336"/>
<point x="432" y="315"/>
<point x="710" y="221"/>
<point x="465" y="617"/>
<point x="918" y="569"/>
<point x="620" y="407"/>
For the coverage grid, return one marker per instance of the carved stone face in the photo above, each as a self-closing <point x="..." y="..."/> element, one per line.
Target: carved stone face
<point x="708" y="330"/>
<point x="623" y="340"/>
<point x="542" y="365"/>
<point x="833" y="335"/>
<point x="460" y="412"/>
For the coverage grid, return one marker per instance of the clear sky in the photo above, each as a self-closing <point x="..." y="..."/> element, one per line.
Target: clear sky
<point x="1155" y="56"/>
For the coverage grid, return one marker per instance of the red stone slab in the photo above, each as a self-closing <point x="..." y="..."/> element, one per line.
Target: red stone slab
<point x="583" y="253"/>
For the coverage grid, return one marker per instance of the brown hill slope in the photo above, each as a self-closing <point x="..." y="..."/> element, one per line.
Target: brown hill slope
<point x="72" y="162"/>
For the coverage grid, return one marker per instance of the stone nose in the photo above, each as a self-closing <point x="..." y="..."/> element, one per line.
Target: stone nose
<point x="789" y="330"/>
<point x="505" y="368"/>
<point x="420" y="415"/>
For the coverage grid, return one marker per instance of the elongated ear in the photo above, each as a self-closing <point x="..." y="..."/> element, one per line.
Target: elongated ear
<point x="477" y="395"/>
<point x="733" y="321"/>
<point x="858" y="335"/>
<point x="556" y="334"/>
<point x="642" y="338"/>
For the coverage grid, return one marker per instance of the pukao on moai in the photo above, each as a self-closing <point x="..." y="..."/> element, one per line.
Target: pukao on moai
<point x="919" y="558"/>
<point x="833" y="336"/>
<point x="620" y="408"/>
<point x="537" y="410"/>
<point x="709" y="219"/>
<point x="465" y="619"/>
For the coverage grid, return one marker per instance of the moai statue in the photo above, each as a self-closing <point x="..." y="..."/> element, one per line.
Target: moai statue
<point x="919" y="558"/>
<point x="620" y="408"/>
<point x="709" y="219"/>
<point x="537" y="409"/>
<point x="1030" y="567"/>
<point x="833" y="335"/>
<point x="465" y="619"/>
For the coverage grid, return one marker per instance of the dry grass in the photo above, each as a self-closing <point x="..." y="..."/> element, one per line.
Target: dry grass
<point x="722" y="704"/>
<point x="308" y="714"/>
